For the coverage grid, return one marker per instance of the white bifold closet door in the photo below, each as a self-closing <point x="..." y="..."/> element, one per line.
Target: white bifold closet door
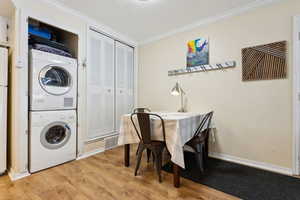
<point x="124" y="81"/>
<point x="100" y="86"/>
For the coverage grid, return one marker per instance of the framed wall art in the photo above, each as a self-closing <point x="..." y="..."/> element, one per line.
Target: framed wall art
<point x="265" y="62"/>
<point x="198" y="52"/>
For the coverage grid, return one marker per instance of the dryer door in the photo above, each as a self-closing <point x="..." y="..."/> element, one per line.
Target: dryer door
<point x="55" y="80"/>
<point x="56" y="135"/>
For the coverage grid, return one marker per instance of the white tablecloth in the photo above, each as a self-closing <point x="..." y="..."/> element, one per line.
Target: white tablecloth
<point x="180" y="128"/>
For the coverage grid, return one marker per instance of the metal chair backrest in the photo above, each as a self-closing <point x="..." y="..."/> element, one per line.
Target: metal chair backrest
<point x="204" y="122"/>
<point x="141" y="110"/>
<point x="145" y="126"/>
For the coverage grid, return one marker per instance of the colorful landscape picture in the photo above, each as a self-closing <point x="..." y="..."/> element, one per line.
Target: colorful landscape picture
<point x="198" y="52"/>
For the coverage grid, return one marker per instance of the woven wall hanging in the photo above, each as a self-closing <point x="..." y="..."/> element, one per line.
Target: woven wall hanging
<point x="264" y="62"/>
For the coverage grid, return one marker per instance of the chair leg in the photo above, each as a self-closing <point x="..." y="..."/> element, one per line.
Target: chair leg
<point x="200" y="161"/>
<point x="139" y="158"/>
<point x="137" y="151"/>
<point x="148" y="152"/>
<point x="199" y="157"/>
<point x="205" y="157"/>
<point x="206" y="145"/>
<point x="153" y="157"/>
<point x="159" y="168"/>
<point x="158" y="163"/>
<point x="148" y="155"/>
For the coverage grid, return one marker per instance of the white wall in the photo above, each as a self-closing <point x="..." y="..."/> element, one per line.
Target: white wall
<point x="253" y="119"/>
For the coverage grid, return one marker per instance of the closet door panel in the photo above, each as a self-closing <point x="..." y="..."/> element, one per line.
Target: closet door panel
<point x="124" y="81"/>
<point x="100" y="86"/>
<point x="130" y="78"/>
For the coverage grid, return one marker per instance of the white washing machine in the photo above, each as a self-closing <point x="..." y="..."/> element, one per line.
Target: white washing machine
<point x="52" y="138"/>
<point x="53" y="81"/>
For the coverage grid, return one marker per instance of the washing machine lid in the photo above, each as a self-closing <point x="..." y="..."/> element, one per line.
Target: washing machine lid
<point x="55" y="80"/>
<point x="56" y="135"/>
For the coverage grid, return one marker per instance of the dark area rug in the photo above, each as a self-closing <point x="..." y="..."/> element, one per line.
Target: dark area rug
<point x="241" y="181"/>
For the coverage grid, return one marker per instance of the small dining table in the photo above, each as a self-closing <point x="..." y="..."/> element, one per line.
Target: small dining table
<point x="179" y="129"/>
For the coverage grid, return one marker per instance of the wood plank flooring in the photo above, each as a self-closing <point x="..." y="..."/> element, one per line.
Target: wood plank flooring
<point x="104" y="177"/>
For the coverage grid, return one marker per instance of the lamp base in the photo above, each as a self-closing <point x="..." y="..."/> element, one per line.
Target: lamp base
<point x="182" y="110"/>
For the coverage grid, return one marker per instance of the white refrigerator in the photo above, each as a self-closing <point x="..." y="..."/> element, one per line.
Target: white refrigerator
<point x="3" y="108"/>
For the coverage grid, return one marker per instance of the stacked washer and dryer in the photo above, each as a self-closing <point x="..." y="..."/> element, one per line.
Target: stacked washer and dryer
<point x="53" y="104"/>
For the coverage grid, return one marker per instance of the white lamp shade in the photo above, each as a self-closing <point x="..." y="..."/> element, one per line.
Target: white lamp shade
<point x="176" y="90"/>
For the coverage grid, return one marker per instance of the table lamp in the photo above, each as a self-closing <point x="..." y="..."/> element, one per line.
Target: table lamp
<point x="176" y="91"/>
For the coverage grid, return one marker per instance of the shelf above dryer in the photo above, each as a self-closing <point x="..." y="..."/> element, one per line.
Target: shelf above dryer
<point x="4" y="44"/>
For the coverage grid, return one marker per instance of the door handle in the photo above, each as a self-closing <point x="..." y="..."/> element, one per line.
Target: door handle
<point x="84" y="63"/>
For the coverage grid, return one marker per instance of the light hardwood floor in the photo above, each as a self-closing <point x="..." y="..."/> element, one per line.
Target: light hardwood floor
<point x="103" y="177"/>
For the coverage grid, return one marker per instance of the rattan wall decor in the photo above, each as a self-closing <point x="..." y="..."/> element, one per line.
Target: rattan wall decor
<point x="265" y="62"/>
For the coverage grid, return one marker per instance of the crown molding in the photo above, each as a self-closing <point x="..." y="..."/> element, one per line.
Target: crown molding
<point x="213" y="19"/>
<point x="90" y="21"/>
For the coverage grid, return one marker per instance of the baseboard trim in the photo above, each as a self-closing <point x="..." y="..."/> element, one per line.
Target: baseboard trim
<point x="16" y="176"/>
<point x="89" y="154"/>
<point x="252" y="163"/>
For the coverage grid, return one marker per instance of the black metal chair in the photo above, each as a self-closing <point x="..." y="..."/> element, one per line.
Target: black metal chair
<point x="146" y="142"/>
<point x="143" y="110"/>
<point x="199" y="142"/>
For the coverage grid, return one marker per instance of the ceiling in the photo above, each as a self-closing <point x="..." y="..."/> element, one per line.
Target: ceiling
<point x="145" y="20"/>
